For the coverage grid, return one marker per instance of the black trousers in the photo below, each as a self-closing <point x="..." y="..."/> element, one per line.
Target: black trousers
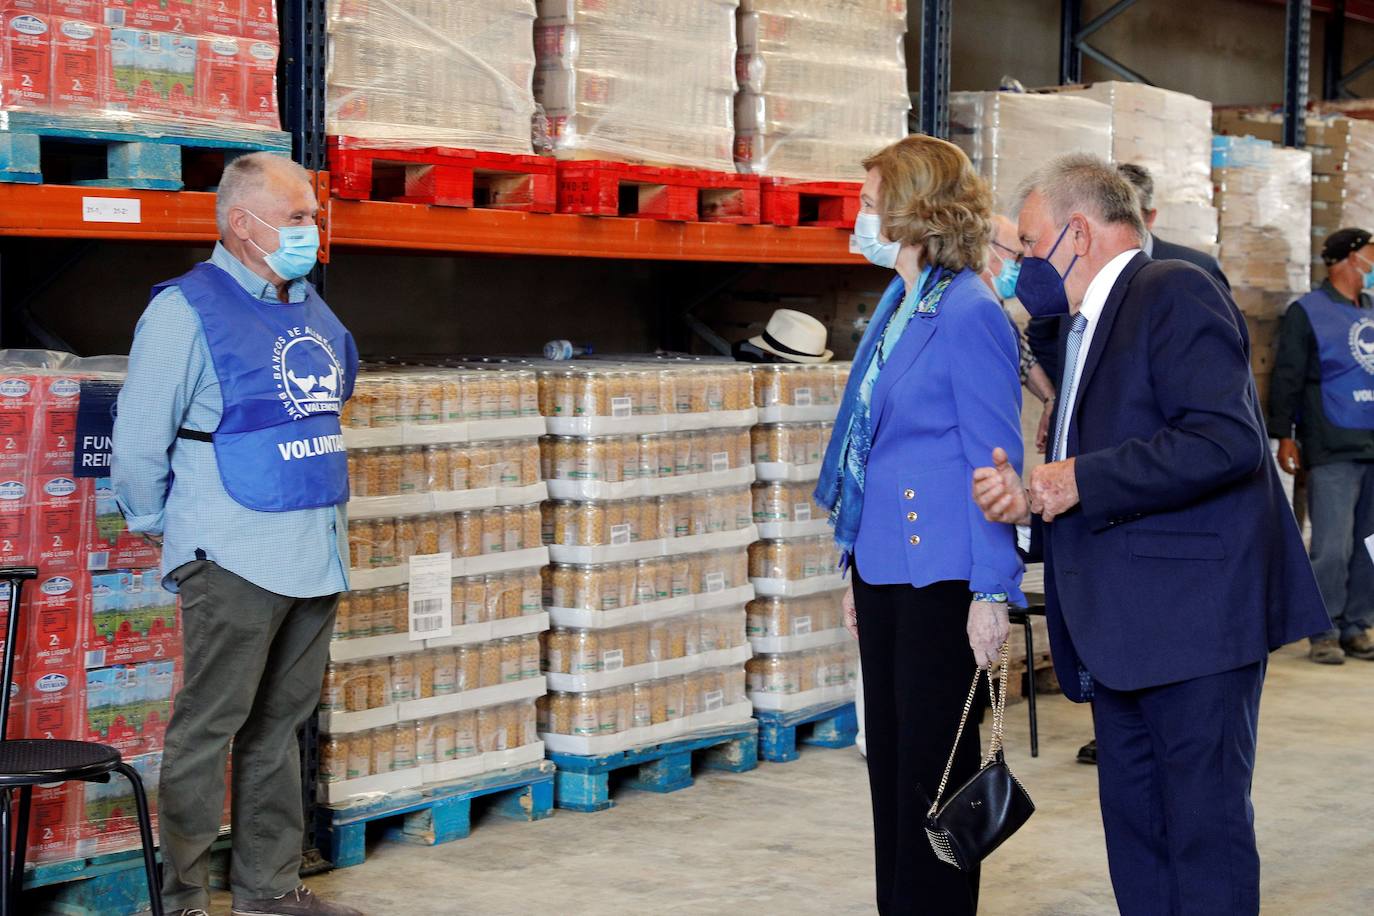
<point x="917" y="666"/>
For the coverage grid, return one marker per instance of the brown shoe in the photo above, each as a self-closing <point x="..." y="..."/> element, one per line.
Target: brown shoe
<point x="1326" y="651"/>
<point x="1359" y="646"/>
<point x="300" y="902"/>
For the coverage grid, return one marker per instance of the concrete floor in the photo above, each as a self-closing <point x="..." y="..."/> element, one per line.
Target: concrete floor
<point x="794" y="838"/>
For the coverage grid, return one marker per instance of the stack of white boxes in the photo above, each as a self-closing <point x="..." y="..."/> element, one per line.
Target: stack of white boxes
<point x="1264" y="194"/>
<point x="432" y="73"/>
<point x="1170" y="134"/>
<point x="822" y="85"/>
<point x="638" y="80"/>
<point x="1009" y="135"/>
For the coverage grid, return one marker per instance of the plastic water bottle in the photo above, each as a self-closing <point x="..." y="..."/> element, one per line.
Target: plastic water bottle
<point x="563" y="349"/>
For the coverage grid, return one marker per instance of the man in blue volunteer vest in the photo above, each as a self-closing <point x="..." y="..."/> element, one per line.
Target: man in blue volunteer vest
<point x="1323" y="384"/>
<point x="228" y="447"/>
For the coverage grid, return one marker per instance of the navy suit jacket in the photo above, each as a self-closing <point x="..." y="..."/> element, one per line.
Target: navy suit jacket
<point x="1182" y="558"/>
<point x="1046" y="335"/>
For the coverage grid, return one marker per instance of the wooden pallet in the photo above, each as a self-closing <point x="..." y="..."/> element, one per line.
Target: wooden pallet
<point x="106" y="885"/>
<point x="443" y="177"/>
<point x="435" y="814"/>
<point x="1042" y="671"/>
<point x="53" y="150"/>
<point x="828" y="725"/>
<point x="584" y="783"/>
<point x="833" y="204"/>
<point x="605" y="188"/>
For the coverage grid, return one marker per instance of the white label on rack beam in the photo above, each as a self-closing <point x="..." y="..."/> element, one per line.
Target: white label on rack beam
<point x="620" y="534"/>
<point x="801" y="512"/>
<point x="111" y="210"/>
<point x="431" y="596"/>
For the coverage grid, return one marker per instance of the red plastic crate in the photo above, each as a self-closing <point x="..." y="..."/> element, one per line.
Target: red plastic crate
<point x="443" y="176"/>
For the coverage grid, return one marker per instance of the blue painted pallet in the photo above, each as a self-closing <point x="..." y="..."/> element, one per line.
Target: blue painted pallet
<point x="437" y="814"/>
<point x="834" y="725"/>
<point x="135" y="156"/>
<point x="109" y="885"/>
<point x="584" y="782"/>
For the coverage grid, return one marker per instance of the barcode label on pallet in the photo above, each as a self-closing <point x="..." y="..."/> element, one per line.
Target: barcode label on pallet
<point x="431" y="596"/>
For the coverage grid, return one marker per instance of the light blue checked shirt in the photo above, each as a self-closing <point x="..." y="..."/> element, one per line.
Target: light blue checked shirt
<point x="172" y="486"/>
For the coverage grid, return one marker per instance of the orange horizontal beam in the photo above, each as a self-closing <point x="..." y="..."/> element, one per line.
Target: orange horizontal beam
<point x="416" y="227"/>
<point x="60" y="211"/>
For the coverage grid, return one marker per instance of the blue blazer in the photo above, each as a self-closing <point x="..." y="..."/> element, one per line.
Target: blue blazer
<point x="949" y="393"/>
<point x="1182" y="559"/>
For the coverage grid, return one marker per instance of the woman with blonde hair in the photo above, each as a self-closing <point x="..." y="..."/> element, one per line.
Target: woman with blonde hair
<point x="934" y="388"/>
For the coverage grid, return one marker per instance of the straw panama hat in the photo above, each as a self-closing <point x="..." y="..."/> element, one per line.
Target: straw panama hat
<point x="794" y="336"/>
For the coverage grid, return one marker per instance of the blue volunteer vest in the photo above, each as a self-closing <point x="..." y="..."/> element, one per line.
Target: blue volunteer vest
<point x="284" y="372"/>
<point x="1345" y="345"/>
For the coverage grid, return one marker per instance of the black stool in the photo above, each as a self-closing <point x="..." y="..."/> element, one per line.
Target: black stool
<point x="28" y="762"/>
<point x="1023" y="617"/>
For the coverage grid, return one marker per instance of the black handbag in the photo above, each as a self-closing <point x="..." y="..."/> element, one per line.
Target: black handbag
<point x="991" y="806"/>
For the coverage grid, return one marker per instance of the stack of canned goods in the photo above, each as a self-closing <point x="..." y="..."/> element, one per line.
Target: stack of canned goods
<point x="644" y="389"/>
<point x="609" y="586"/>
<point x="648" y="456"/>
<point x="795" y="385"/>
<point x="403" y="471"/>
<point x="833" y="668"/>
<point x="602" y="713"/>
<point x="438" y="739"/>
<point x="390" y="399"/>
<point x="606" y="523"/>
<point x="383" y="542"/>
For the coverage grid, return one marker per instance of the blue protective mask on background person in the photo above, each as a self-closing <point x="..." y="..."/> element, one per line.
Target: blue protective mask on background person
<point x="297" y="249"/>
<point x="1005" y="281"/>
<point x="1367" y="278"/>
<point x="1039" y="285"/>
<point x="883" y="254"/>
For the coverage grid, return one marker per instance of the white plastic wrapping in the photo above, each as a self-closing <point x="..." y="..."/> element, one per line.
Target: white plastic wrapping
<point x="638" y="80"/>
<point x="1009" y="135"/>
<point x="1264" y="194"/>
<point x="822" y="85"/>
<point x="406" y="73"/>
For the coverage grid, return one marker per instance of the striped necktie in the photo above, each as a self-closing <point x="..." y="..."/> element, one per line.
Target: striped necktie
<point x="1068" y="389"/>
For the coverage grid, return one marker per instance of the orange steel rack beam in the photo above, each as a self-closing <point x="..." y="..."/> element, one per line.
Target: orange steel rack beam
<point x="57" y="211"/>
<point x="415" y="227"/>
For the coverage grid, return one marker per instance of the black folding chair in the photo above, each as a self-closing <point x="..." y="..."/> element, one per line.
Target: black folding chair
<point x="29" y="762"/>
<point x="1022" y="616"/>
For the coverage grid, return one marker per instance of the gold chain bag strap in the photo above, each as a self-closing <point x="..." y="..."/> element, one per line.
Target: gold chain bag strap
<point x="992" y="805"/>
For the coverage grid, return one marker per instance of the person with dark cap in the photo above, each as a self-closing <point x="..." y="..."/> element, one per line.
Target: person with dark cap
<point x="1323" y="384"/>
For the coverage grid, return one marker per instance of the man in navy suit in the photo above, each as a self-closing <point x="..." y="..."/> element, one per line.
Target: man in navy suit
<point x="1045" y="334"/>
<point x="1173" y="563"/>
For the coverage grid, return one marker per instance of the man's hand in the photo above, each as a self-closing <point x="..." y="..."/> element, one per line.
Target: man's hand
<point x="1053" y="489"/>
<point x="851" y="616"/>
<point x="1290" y="459"/>
<point x="998" y="492"/>
<point x="987" y="630"/>
<point x="1042" y="433"/>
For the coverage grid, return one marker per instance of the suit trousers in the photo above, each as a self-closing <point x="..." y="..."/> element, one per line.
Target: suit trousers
<point x="1174" y="767"/>
<point x="917" y="665"/>
<point x="255" y="661"/>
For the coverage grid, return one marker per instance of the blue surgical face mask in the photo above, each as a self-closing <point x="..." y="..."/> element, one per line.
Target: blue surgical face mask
<point x="1040" y="287"/>
<point x="883" y="254"/>
<point x="1367" y="278"/>
<point x="297" y="249"/>
<point x="1005" y="282"/>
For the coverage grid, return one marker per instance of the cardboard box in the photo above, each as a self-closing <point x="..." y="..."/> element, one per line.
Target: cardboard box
<point x="107" y="542"/>
<point x="128" y="706"/>
<point x="131" y="618"/>
<point x="53" y="703"/>
<point x="53" y="622"/>
<point x="78" y="67"/>
<point x="260" y="85"/>
<point x="25" y="60"/>
<point x="108" y="815"/>
<point x="16" y="535"/>
<point x="53" y="820"/>
<point x="222" y="79"/>
<point x="84" y="10"/>
<point x="223" y="17"/>
<point x="260" y="21"/>
<point x="1262" y="303"/>
<point x="56" y="533"/>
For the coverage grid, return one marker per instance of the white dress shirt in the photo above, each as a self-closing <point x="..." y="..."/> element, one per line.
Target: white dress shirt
<point x="1094" y="301"/>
